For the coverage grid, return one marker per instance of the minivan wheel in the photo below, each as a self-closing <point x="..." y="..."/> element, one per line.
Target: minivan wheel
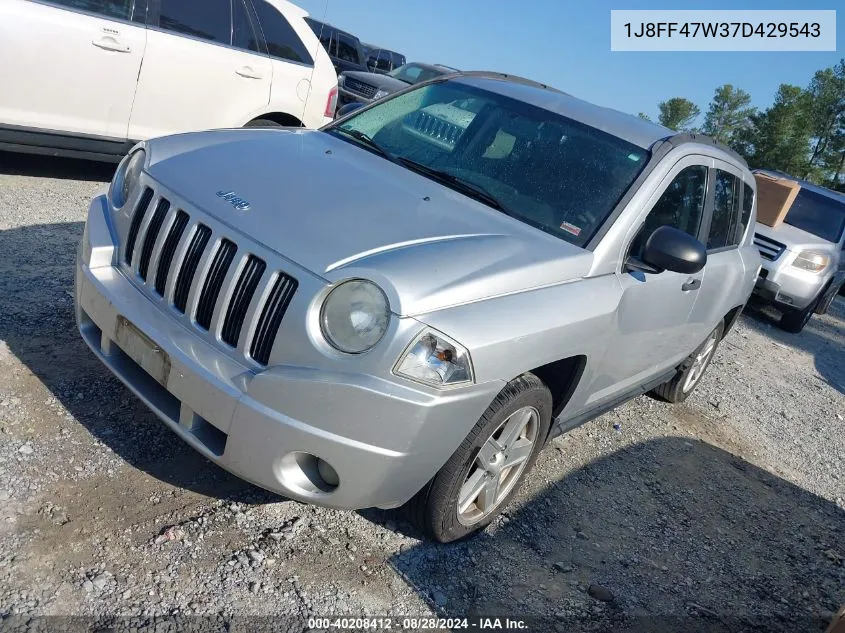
<point x="482" y="476"/>
<point x="690" y="372"/>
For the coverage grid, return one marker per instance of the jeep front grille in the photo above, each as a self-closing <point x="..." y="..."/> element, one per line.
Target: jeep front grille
<point x="176" y="258"/>
<point x="769" y="248"/>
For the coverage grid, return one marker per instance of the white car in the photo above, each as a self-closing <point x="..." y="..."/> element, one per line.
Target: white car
<point x="92" y="77"/>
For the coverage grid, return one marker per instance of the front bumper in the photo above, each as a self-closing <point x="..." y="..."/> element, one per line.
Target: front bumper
<point x="219" y="406"/>
<point x="345" y="97"/>
<point x="786" y="286"/>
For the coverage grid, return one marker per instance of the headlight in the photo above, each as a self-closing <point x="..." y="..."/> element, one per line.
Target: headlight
<point x="379" y="94"/>
<point x="436" y="360"/>
<point x="126" y="178"/>
<point x="814" y="261"/>
<point x="354" y="316"/>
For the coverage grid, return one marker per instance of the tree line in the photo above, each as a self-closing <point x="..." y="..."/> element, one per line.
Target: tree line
<point x="802" y="133"/>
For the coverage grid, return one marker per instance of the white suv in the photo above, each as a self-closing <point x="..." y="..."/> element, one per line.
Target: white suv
<point x="92" y="77"/>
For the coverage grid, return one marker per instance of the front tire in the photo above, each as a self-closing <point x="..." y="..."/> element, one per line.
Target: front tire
<point x="481" y="477"/>
<point x="691" y="370"/>
<point x="793" y="321"/>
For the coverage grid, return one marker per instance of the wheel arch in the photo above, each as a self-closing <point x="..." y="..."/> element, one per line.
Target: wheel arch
<point x="731" y="318"/>
<point x="562" y="378"/>
<point x="282" y="118"/>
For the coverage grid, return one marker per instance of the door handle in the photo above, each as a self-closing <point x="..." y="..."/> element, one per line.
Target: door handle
<point x="111" y="44"/>
<point x="691" y="284"/>
<point x="248" y="72"/>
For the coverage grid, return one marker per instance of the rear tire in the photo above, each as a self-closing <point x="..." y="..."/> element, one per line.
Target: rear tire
<point x="690" y="372"/>
<point x="263" y="123"/>
<point x="477" y="482"/>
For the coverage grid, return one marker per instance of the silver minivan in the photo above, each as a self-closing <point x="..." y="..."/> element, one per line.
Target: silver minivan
<point x="402" y="307"/>
<point x="804" y="257"/>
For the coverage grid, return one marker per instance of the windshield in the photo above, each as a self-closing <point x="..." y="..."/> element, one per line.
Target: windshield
<point x="544" y="169"/>
<point x="414" y="73"/>
<point x="817" y="214"/>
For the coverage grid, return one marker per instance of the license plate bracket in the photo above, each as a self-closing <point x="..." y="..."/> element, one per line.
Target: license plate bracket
<point x="142" y="349"/>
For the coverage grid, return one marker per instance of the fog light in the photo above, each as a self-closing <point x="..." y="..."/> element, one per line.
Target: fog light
<point x="783" y="298"/>
<point x="308" y="474"/>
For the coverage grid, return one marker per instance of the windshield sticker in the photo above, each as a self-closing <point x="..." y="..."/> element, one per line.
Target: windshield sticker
<point x="571" y="228"/>
<point x="634" y="157"/>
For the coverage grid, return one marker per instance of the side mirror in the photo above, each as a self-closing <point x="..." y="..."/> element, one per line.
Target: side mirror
<point x="670" y="249"/>
<point x="348" y="109"/>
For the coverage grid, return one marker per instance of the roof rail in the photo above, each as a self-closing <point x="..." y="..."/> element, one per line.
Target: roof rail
<point x="506" y="77"/>
<point x="695" y="137"/>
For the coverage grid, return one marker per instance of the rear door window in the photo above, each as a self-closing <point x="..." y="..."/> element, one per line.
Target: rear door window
<point x="347" y="49"/>
<point x="723" y="227"/>
<point x="324" y="34"/>
<point x="282" y="40"/>
<point x="206" y="19"/>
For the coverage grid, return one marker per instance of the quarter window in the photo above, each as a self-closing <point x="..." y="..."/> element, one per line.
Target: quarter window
<point x="206" y="19"/>
<point x="243" y="35"/>
<point x="681" y="206"/>
<point x="117" y="9"/>
<point x="723" y="228"/>
<point x="747" y="205"/>
<point x="282" y="40"/>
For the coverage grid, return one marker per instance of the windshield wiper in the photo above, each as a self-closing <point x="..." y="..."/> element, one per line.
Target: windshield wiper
<point x="366" y="139"/>
<point x="458" y="184"/>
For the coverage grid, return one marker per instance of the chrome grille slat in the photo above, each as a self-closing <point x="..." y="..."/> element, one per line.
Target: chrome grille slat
<point x="244" y="289"/>
<point x="359" y="87"/>
<point x="137" y="217"/>
<point x="271" y="317"/>
<point x="214" y="282"/>
<point x="165" y="258"/>
<point x="150" y="236"/>
<point x="769" y="249"/>
<point x="188" y="270"/>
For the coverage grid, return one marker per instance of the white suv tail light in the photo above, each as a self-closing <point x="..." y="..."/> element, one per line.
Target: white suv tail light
<point x="331" y="103"/>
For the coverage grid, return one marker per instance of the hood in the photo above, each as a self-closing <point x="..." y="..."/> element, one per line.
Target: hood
<point x="340" y="211"/>
<point x="379" y="81"/>
<point x="793" y="238"/>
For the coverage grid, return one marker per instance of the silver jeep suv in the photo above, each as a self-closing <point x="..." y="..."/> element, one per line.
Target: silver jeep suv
<point x="403" y="307"/>
<point x="804" y="257"/>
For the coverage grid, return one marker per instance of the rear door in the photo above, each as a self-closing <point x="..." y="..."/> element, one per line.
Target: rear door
<point x="204" y="68"/>
<point x="724" y="279"/>
<point x="72" y="65"/>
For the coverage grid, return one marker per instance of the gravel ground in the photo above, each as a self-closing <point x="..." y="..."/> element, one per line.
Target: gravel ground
<point x="724" y="513"/>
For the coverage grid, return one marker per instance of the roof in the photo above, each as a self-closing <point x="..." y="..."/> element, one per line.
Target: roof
<point x="331" y="26"/>
<point x="437" y="67"/>
<point x="626" y="126"/>
<point x="805" y="184"/>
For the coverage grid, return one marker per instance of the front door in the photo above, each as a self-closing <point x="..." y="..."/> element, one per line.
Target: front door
<point x="651" y="332"/>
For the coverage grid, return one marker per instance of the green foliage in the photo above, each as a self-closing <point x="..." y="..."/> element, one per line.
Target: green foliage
<point x="729" y="114"/>
<point x="644" y="116"/>
<point x="802" y="133"/>
<point x="678" y="114"/>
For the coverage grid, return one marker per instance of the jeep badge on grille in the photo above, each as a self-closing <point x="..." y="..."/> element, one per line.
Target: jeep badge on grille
<point x="239" y="203"/>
